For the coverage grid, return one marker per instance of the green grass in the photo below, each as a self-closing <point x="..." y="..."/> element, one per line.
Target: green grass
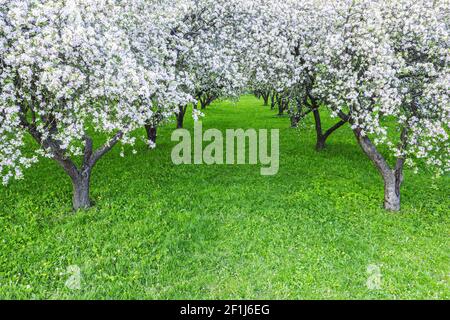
<point x="160" y="231"/>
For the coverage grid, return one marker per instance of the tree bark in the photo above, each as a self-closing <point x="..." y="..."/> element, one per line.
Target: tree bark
<point x="205" y="100"/>
<point x="151" y="133"/>
<point x="180" y="116"/>
<point x="265" y="95"/>
<point x="295" y="119"/>
<point x="281" y="106"/>
<point x="322" y="137"/>
<point x="320" y="140"/>
<point x="320" y="143"/>
<point x="272" y="101"/>
<point x="202" y="99"/>
<point x="81" y="186"/>
<point x="392" y="178"/>
<point x="391" y="192"/>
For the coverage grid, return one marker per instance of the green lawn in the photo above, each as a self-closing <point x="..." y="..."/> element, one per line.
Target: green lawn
<point x="160" y="231"/>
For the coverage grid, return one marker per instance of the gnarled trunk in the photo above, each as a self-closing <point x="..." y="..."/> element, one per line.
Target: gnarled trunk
<point x="206" y="100"/>
<point x="392" y="178"/>
<point x="391" y="191"/>
<point x="81" y="178"/>
<point x="320" y="139"/>
<point x="81" y="185"/>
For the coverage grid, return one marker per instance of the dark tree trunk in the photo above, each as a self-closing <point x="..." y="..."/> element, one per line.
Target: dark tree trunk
<point x="202" y="99"/>
<point x="151" y="133"/>
<point x="280" y="103"/>
<point x="281" y="107"/>
<point x="297" y="114"/>
<point x="273" y="101"/>
<point x="322" y="137"/>
<point x="180" y="120"/>
<point x="294" y="120"/>
<point x="320" y="143"/>
<point x="180" y="116"/>
<point x="392" y="178"/>
<point x="206" y="100"/>
<point x="210" y="99"/>
<point x="81" y="178"/>
<point x="320" y="140"/>
<point x="265" y="95"/>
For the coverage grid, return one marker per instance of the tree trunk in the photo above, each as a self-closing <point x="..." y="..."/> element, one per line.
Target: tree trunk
<point x="81" y="185"/>
<point x="281" y="107"/>
<point x="180" y="116"/>
<point x="265" y="96"/>
<point x="209" y="100"/>
<point x="272" y="101"/>
<point x="80" y="177"/>
<point x="322" y="137"/>
<point x="180" y="120"/>
<point x="294" y="121"/>
<point x="392" y="178"/>
<point x="203" y="101"/>
<point x="151" y="133"/>
<point x="320" y="142"/>
<point x="391" y="192"/>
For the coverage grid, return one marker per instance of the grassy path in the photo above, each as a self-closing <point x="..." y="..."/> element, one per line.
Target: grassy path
<point x="160" y="231"/>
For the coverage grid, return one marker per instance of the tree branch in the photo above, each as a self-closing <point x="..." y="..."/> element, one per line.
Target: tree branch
<point x="105" y="148"/>
<point x="334" y="128"/>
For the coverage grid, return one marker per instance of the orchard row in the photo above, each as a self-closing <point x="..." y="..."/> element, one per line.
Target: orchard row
<point x="71" y="68"/>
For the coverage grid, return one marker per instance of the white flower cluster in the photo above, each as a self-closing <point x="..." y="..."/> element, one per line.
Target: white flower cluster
<point x="209" y="40"/>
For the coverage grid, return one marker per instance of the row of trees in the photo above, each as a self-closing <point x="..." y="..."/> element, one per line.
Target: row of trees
<point x="380" y="66"/>
<point x="72" y="68"/>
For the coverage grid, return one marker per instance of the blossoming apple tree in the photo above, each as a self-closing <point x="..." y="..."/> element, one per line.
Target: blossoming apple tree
<point x="386" y="71"/>
<point x="289" y="42"/>
<point x="207" y="40"/>
<point x="67" y="69"/>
